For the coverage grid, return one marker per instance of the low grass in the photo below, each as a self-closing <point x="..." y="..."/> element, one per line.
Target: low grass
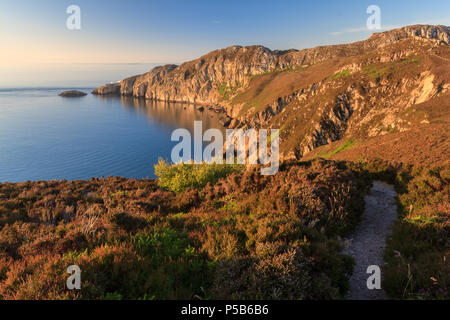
<point x="377" y="71"/>
<point x="226" y="91"/>
<point x="275" y="71"/>
<point x="266" y="88"/>
<point x="341" y="74"/>
<point x="345" y="146"/>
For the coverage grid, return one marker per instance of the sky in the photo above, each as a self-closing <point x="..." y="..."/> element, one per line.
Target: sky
<point x="34" y="32"/>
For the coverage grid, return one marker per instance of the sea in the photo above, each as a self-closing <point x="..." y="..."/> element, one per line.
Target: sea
<point x="46" y="137"/>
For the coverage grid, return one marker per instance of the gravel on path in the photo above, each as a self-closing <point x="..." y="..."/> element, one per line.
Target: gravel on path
<point x="368" y="241"/>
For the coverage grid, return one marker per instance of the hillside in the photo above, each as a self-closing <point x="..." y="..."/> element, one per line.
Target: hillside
<point x="246" y="237"/>
<point x="391" y="83"/>
<point x="349" y="115"/>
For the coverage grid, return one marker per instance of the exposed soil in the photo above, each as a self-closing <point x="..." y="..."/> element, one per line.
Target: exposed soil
<point x="368" y="241"/>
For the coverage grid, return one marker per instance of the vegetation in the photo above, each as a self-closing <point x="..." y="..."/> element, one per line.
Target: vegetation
<point x="345" y="146"/>
<point x="227" y="233"/>
<point x="245" y="237"/>
<point x="418" y="252"/>
<point x="265" y="88"/>
<point x="376" y="71"/>
<point x="226" y="91"/>
<point x="180" y="177"/>
<point x="275" y="71"/>
<point x="341" y="74"/>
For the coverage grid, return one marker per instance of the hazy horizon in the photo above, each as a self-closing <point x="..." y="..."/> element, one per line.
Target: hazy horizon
<point x="34" y="33"/>
<point x="69" y="75"/>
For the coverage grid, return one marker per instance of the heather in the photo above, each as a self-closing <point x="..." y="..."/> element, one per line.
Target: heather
<point x="417" y="254"/>
<point x="238" y="236"/>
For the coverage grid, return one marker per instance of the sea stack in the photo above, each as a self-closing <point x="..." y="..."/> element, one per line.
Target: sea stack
<point x="72" y="94"/>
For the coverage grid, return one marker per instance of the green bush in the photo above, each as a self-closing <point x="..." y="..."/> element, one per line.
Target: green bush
<point x="183" y="176"/>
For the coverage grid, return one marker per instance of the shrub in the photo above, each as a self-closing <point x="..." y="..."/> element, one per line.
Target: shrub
<point x="180" y="177"/>
<point x="417" y="253"/>
<point x="128" y="222"/>
<point x="241" y="235"/>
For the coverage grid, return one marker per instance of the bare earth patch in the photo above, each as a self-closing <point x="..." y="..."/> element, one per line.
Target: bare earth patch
<point x="368" y="241"/>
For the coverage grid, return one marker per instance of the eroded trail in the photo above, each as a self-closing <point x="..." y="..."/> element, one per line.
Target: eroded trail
<point x="367" y="243"/>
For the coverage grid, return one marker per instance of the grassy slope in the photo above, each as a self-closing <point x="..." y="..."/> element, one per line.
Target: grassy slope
<point x="266" y="88"/>
<point x="427" y="144"/>
<point x="300" y="118"/>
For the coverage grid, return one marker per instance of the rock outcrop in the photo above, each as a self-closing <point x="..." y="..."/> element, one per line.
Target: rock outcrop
<point x="72" y="94"/>
<point x="197" y="81"/>
<point x="362" y="87"/>
<point x="107" y="89"/>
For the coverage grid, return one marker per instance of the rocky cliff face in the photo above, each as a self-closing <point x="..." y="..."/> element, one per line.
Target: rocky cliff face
<point x="197" y="81"/>
<point x="330" y="91"/>
<point x="364" y="108"/>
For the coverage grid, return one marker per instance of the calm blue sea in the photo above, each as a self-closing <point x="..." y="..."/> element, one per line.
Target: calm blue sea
<point x="44" y="136"/>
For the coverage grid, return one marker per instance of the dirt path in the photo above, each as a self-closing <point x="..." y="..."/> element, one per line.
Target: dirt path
<point x="367" y="243"/>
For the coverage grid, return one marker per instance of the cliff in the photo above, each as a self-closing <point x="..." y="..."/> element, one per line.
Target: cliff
<point x="197" y="81"/>
<point x="316" y="96"/>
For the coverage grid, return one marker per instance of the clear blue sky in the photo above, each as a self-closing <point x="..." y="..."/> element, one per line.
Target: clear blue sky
<point x="174" y="31"/>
